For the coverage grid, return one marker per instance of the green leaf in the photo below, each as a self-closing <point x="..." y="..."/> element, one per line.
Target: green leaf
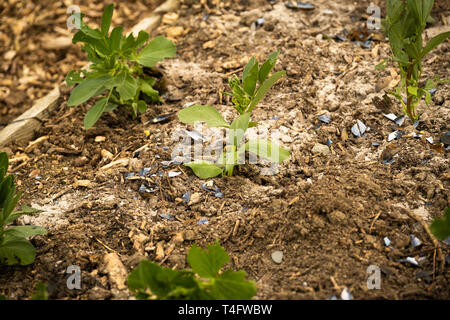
<point x="441" y="227"/>
<point x="127" y="87"/>
<point x="94" y="113"/>
<point x="40" y="292"/>
<point x="86" y="90"/>
<point x="238" y="128"/>
<point x="25" y="231"/>
<point x="232" y="285"/>
<point x="141" y="38"/>
<point x="93" y="33"/>
<point x="267" y="66"/>
<point x="115" y="38"/>
<point x="165" y="283"/>
<point x="434" y="42"/>
<point x="142" y="106"/>
<point x="207" y="263"/>
<point x="145" y="85"/>
<point x="264" y="89"/>
<point x="4" y="163"/>
<point x="158" y="49"/>
<point x="267" y="150"/>
<point x="204" y="170"/>
<point x="208" y="114"/>
<point x="17" y="250"/>
<point x="74" y="77"/>
<point x="106" y="18"/>
<point x="250" y="76"/>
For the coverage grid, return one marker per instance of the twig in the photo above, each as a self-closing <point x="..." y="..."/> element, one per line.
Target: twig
<point x="373" y="221"/>
<point x="108" y="247"/>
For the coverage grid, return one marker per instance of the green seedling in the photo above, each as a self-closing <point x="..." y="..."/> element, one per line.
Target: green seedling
<point x="116" y="72"/>
<point x="205" y="281"/>
<point x="246" y="94"/>
<point x="404" y="24"/>
<point x="441" y="227"/>
<point x="14" y="246"/>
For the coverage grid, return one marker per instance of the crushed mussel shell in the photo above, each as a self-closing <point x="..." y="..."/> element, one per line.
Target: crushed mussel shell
<point x="296" y="5"/>
<point x="400" y="120"/>
<point x="144" y="171"/>
<point x="415" y="242"/>
<point x="396" y="135"/>
<point x="390" y="116"/>
<point x="166" y="216"/>
<point x="359" y="128"/>
<point x="325" y="119"/>
<point x="410" y="260"/>
<point x="162" y="118"/>
<point x="212" y="188"/>
<point x="146" y="192"/>
<point x="346" y="295"/>
<point x="186" y="197"/>
<point x="129" y="175"/>
<point x="387" y="241"/>
<point x="174" y="174"/>
<point x="203" y="221"/>
<point x="430" y="140"/>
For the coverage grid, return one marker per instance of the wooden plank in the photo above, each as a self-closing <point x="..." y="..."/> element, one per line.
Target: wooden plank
<point x="24" y="127"/>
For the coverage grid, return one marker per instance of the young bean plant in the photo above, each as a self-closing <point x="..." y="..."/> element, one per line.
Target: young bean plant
<point x="14" y="246"/>
<point x="204" y="282"/>
<point x="404" y="24"/>
<point x="246" y="94"/>
<point x="119" y="73"/>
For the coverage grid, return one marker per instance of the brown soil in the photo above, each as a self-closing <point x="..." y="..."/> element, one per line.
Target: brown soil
<point x="327" y="213"/>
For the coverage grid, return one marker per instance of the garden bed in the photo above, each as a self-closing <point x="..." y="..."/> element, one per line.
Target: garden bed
<point x="327" y="212"/>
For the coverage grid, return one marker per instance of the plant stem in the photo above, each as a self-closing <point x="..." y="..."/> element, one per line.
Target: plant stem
<point x="409" y="111"/>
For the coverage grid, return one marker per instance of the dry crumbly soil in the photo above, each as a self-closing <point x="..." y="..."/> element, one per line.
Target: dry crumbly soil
<point x="328" y="214"/>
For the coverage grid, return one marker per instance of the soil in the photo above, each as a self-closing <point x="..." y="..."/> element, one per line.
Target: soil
<point x="327" y="213"/>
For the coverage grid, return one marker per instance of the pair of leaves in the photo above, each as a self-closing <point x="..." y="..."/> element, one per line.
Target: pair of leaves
<point x="117" y="68"/>
<point x="262" y="148"/>
<point x="246" y="95"/>
<point x="14" y="246"/>
<point x="204" y="281"/>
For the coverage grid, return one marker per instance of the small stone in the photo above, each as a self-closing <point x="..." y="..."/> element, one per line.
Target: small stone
<point x="195" y="198"/>
<point x="100" y="139"/>
<point x="277" y="256"/>
<point x="159" y="251"/>
<point x="82" y="183"/>
<point x="321" y="149"/>
<point x="116" y="270"/>
<point x="337" y="217"/>
<point x="98" y="293"/>
<point x="175" y="31"/>
<point x="189" y="235"/>
<point x="34" y="173"/>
